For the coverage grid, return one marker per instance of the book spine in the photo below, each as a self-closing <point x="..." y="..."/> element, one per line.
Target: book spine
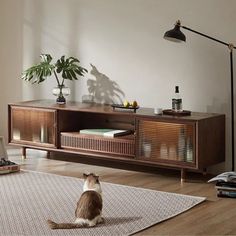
<point x="224" y="193"/>
<point x="88" y="132"/>
<point x="225" y="188"/>
<point x="226" y="184"/>
<point x="117" y="133"/>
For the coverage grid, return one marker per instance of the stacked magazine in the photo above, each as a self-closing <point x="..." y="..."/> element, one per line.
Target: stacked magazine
<point x="225" y="184"/>
<point x="7" y="166"/>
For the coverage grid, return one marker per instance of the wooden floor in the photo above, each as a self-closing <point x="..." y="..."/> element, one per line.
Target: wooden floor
<point x="216" y="216"/>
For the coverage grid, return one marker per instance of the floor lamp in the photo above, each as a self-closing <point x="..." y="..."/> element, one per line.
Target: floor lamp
<point x="176" y="35"/>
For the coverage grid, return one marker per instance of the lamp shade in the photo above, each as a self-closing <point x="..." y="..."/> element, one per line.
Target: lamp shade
<point x="175" y="34"/>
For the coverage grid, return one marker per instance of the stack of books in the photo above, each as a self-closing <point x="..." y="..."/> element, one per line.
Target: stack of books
<point x="225" y="184"/>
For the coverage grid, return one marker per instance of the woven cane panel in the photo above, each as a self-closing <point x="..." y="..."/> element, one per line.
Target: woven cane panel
<point x="120" y="146"/>
<point x="166" y="141"/>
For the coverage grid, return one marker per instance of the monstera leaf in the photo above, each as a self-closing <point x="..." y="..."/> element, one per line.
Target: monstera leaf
<point x="68" y="67"/>
<point x="39" y="72"/>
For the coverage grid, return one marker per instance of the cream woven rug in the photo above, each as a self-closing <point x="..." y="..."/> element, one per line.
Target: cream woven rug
<point x="28" y="199"/>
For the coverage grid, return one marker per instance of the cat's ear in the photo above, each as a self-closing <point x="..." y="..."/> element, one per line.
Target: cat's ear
<point x="96" y="177"/>
<point x="85" y="175"/>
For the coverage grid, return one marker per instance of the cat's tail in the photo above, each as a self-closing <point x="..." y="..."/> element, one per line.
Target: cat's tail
<point x="54" y="225"/>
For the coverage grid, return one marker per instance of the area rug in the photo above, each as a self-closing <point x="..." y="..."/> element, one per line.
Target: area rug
<point x="28" y="199"/>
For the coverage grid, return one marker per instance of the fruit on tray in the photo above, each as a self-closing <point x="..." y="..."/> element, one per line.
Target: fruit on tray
<point x="126" y="103"/>
<point x="132" y="104"/>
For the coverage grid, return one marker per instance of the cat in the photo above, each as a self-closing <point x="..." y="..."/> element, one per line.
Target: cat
<point x="89" y="207"/>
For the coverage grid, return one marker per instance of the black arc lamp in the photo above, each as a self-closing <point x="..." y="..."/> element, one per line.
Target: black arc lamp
<point x="176" y="35"/>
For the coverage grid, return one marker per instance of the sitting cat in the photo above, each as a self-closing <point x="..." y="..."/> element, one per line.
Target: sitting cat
<point x="89" y="207"/>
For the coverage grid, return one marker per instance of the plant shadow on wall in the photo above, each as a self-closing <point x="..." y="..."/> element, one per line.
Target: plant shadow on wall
<point x="102" y="89"/>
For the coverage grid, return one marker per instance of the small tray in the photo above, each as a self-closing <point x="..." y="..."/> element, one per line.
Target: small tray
<point x="174" y="113"/>
<point x="121" y="106"/>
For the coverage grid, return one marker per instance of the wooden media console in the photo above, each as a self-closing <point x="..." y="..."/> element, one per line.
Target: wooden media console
<point x="192" y="142"/>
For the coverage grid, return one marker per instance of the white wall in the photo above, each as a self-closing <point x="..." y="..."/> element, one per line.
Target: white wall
<point x="11" y="37"/>
<point x="124" y="41"/>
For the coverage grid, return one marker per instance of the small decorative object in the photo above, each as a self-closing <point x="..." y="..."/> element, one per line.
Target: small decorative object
<point x="68" y="68"/>
<point x="147" y="149"/>
<point x="158" y="111"/>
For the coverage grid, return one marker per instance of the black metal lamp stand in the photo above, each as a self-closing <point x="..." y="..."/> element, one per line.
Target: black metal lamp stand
<point x="177" y="36"/>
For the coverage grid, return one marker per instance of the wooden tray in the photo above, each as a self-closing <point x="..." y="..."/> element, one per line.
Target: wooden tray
<point x="121" y="106"/>
<point x="174" y="113"/>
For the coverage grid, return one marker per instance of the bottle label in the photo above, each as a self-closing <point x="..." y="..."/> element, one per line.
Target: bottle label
<point x="173" y="104"/>
<point x="177" y="104"/>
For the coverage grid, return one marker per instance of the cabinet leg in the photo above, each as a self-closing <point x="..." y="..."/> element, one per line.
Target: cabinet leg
<point x="183" y="175"/>
<point x="204" y="171"/>
<point x="23" y="153"/>
<point x="48" y="154"/>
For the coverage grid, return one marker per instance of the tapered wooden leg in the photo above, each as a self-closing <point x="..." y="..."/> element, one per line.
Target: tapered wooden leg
<point x="23" y="153"/>
<point x="48" y="154"/>
<point x="183" y="175"/>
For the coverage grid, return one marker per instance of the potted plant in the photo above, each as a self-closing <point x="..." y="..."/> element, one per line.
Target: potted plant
<point x="68" y="68"/>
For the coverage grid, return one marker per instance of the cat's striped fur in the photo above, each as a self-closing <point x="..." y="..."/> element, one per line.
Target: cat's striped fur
<point x="89" y="207"/>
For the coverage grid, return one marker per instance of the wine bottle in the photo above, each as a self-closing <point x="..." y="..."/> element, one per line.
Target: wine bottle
<point x="177" y="101"/>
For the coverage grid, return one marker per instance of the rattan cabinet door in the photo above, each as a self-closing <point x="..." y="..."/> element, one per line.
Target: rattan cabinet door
<point x="33" y="126"/>
<point x="166" y="142"/>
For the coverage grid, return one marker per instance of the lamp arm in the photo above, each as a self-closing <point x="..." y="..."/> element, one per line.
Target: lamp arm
<point x="231" y="47"/>
<point x="209" y="37"/>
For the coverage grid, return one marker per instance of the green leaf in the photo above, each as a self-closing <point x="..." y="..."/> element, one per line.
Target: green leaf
<point x="68" y="67"/>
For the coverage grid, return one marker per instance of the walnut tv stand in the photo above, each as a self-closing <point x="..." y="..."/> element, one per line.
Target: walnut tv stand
<point x="187" y="143"/>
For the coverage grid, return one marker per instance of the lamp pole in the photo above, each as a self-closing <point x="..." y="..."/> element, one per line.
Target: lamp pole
<point x="232" y="102"/>
<point x="177" y="36"/>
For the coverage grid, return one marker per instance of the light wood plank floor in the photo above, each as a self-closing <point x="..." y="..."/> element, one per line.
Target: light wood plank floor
<point x="213" y="217"/>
